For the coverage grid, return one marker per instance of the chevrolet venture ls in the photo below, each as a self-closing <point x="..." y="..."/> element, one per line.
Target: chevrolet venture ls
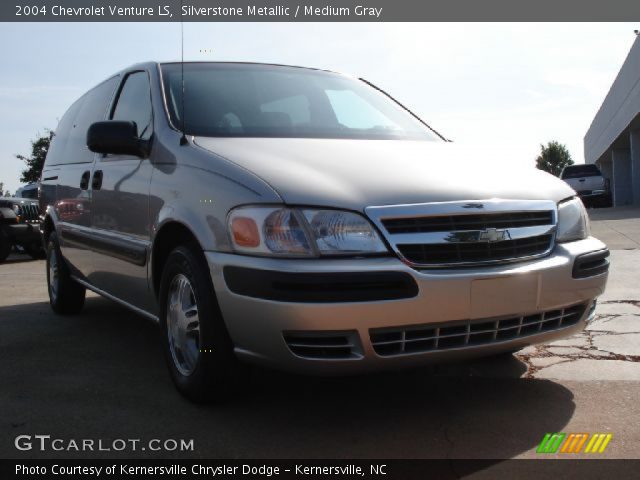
<point x="305" y="220"/>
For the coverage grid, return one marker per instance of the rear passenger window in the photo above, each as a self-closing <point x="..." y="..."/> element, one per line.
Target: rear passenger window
<point x="134" y="103"/>
<point x="56" y="154"/>
<point x="69" y="144"/>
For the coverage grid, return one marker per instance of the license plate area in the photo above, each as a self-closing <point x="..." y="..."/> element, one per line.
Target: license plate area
<point x="505" y="295"/>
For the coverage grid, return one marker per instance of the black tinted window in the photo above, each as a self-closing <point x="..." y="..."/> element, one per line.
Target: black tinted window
<point x="56" y="153"/>
<point x="134" y="103"/>
<point x="29" y="193"/>
<point x="577" y="171"/>
<point x="69" y="144"/>
<point x="252" y="100"/>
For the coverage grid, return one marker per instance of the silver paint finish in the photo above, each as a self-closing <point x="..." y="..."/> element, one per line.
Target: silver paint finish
<point x="446" y="295"/>
<point x="72" y="211"/>
<point x="120" y="210"/>
<point x="102" y="293"/>
<point x="196" y="184"/>
<point x="356" y="174"/>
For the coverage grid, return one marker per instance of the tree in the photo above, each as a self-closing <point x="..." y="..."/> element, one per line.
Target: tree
<point x="39" y="149"/>
<point x="553" y="158"/>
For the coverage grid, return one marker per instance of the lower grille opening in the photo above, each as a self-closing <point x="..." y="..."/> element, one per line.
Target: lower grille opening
<point x="425" y="338"/>
<point x="323" y="345"/>
<point x="320" y="287"/>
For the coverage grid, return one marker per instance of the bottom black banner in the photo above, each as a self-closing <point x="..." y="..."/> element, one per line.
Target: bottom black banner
<point x="299" y="469"/>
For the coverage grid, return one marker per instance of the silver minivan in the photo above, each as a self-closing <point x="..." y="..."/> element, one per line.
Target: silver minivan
<point x="305" y="220"/>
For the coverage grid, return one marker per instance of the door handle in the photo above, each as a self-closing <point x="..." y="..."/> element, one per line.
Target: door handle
<point x="84" y="180"/>
<point x="96" y="184"/>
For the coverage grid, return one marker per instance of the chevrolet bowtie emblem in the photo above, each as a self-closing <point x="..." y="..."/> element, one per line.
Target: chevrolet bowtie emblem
<point x="493" y="235"/>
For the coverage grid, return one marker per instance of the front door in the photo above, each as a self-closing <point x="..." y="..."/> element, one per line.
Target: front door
<point x="120" y="205"/>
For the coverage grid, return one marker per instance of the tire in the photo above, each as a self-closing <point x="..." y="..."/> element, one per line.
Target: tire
<point x="65" y="295"/>
<point x="5" y="246"/>
<point x="35" y="251"/>
<point x="197" y="346"/>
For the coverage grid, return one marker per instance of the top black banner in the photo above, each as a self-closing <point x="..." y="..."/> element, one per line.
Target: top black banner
<point x="317" y="11"/>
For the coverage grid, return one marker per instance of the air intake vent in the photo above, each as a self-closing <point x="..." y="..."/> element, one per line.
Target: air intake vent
<point x="591" y="264"/>
<point x="324" y="345"/>
<point x="436" y="337"/>
<point x="451" y="253"/>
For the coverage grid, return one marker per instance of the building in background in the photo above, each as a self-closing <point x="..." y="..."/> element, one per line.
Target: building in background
<point x="613" y="139"/>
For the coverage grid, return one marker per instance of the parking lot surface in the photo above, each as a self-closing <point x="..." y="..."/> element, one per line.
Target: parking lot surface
<point x="101" y="375"/>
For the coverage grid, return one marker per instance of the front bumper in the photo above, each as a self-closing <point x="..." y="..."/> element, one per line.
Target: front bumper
<point x="24" y="233"/>
<point x="258" y="326"/>
<point x="594" y="194"/>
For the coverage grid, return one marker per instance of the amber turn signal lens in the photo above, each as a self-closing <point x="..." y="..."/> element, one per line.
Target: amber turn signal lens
<point x="245" y="232"/>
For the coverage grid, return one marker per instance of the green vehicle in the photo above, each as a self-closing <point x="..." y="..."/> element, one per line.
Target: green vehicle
<point x="20" y="226"/>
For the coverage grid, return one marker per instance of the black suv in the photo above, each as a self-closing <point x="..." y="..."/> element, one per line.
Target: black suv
<point x="20" y="225"/>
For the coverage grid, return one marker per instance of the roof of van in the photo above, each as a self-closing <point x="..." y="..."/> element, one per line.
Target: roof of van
<point x="153" y="63"/>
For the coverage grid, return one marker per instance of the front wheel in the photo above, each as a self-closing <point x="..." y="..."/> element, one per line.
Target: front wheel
<point x="197" y="346"/>
<point x="35" y="251"/>
<point x="5" y="246"/>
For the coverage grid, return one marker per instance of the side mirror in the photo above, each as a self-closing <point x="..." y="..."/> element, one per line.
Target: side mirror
<point x="116" y="137"/>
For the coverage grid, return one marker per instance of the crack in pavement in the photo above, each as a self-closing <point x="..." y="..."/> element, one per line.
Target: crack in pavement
<point x="588" y="351"/>
<point x="609" y="302"/>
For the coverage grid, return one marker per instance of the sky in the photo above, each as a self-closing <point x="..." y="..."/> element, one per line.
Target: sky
<point x="505" y="85"/>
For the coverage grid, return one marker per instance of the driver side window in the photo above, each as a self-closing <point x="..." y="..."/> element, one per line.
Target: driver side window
<point x="134" y="103"/>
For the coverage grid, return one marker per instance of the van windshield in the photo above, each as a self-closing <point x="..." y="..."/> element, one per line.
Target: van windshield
<point x="253" y="100"/>
<point x="578" y="171"/>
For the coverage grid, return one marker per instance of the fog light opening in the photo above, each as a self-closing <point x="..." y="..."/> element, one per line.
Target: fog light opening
<point x="592" y="311"/>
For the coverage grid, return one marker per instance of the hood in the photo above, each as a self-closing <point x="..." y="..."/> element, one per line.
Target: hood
<point x="355" y="174"/>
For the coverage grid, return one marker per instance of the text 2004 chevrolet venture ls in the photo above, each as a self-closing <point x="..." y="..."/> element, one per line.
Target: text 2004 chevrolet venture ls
<point x="304" y="220"/>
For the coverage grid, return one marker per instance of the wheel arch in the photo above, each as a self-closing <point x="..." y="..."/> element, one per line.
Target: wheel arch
<point x="47" y="227"/>
<point x="170" y="235"/>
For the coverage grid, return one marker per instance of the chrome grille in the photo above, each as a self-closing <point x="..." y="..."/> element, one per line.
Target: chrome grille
<point x="459" y="234"/>
<point x="30" y="213"/>
<point x="476" y="252"/>
<point x="455" y="223"/>
<point x="435" y="337"/>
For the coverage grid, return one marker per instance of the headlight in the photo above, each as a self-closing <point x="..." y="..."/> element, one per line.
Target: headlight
<point x="573" y="221"/>
<point x="302" y="233"/>
<point x="17" y="210"/>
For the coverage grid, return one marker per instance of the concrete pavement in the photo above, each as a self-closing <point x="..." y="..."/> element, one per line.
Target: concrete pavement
<point x="618" y="227"/>
<point x="610" y="347"/>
